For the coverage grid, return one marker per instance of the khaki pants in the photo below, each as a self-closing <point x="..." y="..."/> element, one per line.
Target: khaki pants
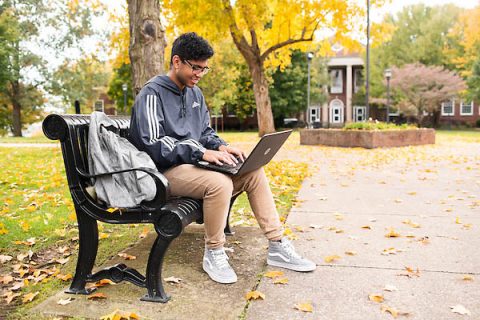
<point x="216" y="190"/>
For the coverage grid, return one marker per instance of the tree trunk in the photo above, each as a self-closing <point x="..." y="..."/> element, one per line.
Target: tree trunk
<point x="17" y="110"/>
<point x="147" y="41"/>
<point x="262" y="100"/>
<point x="436" y="118"/>
<point x="17" y="119"/>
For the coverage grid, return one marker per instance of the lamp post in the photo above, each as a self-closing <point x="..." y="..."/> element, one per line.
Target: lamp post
<point x="309" y="59"/>
<point x="367" y="76"/>
<point x="124" y="88"/>
<point x="388" y="75"/>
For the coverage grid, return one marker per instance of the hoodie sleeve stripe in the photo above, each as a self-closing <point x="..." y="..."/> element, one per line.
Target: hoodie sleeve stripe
<point x="168" y="142"/>
<point x="155" y="117"/>
<point x="153" y="123"/>
<point x="150" y="128"/>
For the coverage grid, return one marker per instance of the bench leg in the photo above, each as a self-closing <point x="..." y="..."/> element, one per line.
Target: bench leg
<point x="156" y="292"/>
<point x="228" y="229"/>
<point x="88" y="245"/>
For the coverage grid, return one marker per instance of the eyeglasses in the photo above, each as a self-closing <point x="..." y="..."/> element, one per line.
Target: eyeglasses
<point x="198" y="70"/>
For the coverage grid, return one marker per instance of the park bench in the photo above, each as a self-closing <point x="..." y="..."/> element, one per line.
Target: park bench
<point x="169" y="215"/>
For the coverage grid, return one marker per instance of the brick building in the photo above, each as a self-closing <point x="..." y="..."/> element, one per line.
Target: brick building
<point x="459" y="112"/>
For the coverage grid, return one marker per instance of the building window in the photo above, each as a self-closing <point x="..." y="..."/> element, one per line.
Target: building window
<point x="448" y="108"/>
<point x="359" y="113"/>
<point x="314" y="114"/>
<point x="358" y="80"/>
<point x="466" y="108"/>
<point x="336" y="81"/>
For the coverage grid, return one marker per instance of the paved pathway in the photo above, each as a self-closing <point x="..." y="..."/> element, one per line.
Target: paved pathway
<point x="429" y="196"/>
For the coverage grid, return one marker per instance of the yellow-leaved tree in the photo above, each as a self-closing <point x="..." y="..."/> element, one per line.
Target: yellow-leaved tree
<point x="264" y="32"/>
<point x="467" y="33"/>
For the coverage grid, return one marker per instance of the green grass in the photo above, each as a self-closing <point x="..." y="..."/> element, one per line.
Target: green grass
<point x="377" y="126"/>
<point x="35" y="139"/>
<point x="465" y="135"/>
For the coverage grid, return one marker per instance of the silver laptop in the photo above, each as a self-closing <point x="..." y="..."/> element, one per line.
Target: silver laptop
<point x="263" y="152"/>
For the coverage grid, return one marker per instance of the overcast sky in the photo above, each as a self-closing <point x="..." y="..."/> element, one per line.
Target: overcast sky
<point x="397" y="5"/>
<point x="376" y="14"/>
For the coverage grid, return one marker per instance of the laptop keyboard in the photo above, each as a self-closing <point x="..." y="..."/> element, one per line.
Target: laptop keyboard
<point x="227" y="167"/>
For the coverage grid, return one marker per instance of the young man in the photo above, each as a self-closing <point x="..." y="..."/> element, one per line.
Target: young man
<point x="171" y="122"/>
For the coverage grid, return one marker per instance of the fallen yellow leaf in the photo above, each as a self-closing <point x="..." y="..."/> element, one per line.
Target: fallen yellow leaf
<point x="390" y="310"/>
<point x="97" y="296"/>
<point x="120" y="315"/>
<point x="376" y="297"/>
<point x="64" y="277"/>
<point x="392" y="234"/>
<point x="273" y="274"/>
<point x="103" y="282"/>
<point x="254" y="295"/>
<point x="332" y="258"/>
<point x="127" y="256"/>
<point x="305" y="307"/>
<point x="467" y="277"/>
<point x="29" y="296"/>
<point x="280" y="281"/>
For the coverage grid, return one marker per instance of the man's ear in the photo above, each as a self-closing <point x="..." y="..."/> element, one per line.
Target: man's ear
<point x="176" y="61"/>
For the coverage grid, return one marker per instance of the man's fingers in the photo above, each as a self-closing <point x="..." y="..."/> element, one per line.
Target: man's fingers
<point x="232" y="156"/>
<point x="228" y="158"/>
<point x="225" y="158"/>
<point x="243" y="156"/>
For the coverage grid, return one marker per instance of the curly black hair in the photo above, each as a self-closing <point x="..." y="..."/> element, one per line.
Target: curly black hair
<point x="190" y="46"/>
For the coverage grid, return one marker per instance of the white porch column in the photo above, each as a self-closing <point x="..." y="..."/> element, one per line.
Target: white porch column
<point x="324" y="111"/>
<point x="348" y="107"/>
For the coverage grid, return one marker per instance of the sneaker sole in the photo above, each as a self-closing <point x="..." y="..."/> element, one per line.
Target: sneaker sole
<point x="218" y="279"/>
<point x="290" y="266"/>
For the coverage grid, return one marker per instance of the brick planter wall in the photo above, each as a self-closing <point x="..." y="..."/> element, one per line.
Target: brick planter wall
<point x="367" y="138"/>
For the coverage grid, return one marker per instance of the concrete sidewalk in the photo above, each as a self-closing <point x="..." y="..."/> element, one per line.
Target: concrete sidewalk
<point x="195" y="297"/>
<point x="428" y="195"/>
<point x="349" y="206"/>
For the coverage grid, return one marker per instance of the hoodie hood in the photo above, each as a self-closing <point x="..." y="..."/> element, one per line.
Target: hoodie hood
<point x="167" y="83"/>
<point x="164" y="81"/>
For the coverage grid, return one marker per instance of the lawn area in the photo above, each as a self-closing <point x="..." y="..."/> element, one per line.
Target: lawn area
<point x="35" y="139"/>
<point x="38" y="235"/>
<point x="459" y="135"/>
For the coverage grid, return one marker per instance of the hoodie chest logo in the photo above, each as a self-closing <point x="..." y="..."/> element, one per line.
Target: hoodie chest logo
<point x="195" y="104"/>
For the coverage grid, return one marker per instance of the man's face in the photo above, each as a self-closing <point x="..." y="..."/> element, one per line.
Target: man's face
<point x="189" y="72"/>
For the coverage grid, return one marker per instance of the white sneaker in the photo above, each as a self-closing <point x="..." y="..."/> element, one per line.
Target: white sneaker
<point x="282" y="254"/>
<point x="215" y="264"/>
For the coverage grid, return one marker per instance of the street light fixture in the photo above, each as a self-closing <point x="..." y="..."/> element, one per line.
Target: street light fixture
<point x="309" y="59"/>
<point x="388" y="75"/>
<point x="367" y="75"/>
<point x="124" y="88"/>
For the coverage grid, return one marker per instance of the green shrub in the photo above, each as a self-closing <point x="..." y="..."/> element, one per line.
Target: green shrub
<point x="377" y="126"/>
<point x="478" y="123"/>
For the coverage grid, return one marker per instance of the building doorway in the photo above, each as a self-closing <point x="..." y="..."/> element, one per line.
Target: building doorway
<point x="336" y="111"/>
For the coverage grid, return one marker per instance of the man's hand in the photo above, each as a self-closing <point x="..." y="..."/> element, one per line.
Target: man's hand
<point x="232" y="150"/>
<point x="219" y="157"/>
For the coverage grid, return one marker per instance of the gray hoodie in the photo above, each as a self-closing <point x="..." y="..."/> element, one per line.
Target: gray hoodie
<point x="172" y="125"/>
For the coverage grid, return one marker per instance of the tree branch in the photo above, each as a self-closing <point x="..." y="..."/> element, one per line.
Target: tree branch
<point x="255" y="46"/>
<point x="237" y="35"/>
<point x="290" y="41"/>
<point x="282" y="44"/>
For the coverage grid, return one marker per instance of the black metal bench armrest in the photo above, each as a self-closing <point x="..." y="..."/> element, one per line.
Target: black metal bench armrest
<point x="161" y="183"/>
